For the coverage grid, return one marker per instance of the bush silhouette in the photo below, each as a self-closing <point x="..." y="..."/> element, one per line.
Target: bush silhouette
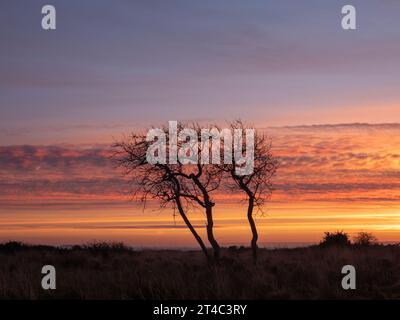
<point x="337" y="239"/>
<point x="365" y="239"/>
<point x="12" y="246"/>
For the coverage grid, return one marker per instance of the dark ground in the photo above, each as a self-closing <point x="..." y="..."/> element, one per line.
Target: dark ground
<point x="103" y="271"/>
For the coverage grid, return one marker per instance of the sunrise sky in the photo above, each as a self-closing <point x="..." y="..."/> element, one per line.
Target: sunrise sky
<point x="328" y="98"/>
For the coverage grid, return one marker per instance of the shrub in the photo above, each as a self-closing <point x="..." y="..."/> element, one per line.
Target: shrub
<point x="338" y="239"/>
<point x="12" y="246"/>
<point x="105" y="247"/>
<point x="365" y="239"/>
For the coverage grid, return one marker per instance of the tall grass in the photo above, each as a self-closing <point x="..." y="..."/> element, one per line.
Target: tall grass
<point x="103" y="271"/>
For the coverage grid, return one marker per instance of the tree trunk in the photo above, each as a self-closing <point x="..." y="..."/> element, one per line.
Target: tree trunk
<point x="210" y="223"/>
<point x="210" y="234"/>
<point x="191" y="228"/>
<point x="253" y="229"/>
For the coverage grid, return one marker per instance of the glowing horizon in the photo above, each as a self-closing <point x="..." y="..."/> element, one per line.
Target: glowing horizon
<point x="330" y="177"/>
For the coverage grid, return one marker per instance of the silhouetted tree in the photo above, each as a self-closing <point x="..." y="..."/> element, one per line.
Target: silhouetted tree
<point x="182" y="184"/>
<point x="256" y="185"/>
<point x="365" y="239"/>
<point x="152" y="181"/>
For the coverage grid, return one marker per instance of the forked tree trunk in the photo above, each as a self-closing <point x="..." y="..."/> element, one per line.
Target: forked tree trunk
<point x="210" y="223"/>
<point x="191" y="228"/>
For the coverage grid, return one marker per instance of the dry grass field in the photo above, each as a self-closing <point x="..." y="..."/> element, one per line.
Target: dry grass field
<point x="112" y="271"/>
